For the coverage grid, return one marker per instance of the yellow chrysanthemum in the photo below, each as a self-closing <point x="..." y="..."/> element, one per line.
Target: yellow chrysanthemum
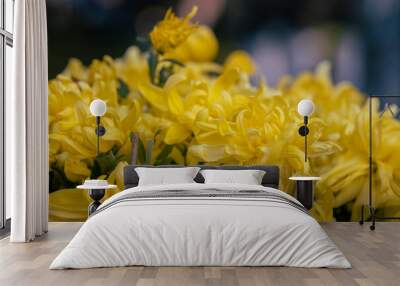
<point x="172" y="31"/>
<point x="200" y="46"/>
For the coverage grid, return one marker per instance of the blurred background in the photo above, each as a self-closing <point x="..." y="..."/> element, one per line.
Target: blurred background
<point x="361" y="38"/>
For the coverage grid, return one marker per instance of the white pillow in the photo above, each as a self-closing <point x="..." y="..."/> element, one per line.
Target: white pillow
<point x="166" y="176"/>
<point x="248" y="177"/>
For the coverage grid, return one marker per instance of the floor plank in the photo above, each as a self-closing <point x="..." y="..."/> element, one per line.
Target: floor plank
<point x="375" y="257"/>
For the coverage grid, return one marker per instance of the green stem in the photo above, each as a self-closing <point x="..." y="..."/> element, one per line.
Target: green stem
<point x="153" y="63"/>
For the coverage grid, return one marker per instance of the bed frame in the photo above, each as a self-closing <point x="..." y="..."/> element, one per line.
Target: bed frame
<point x="270" y="179"/>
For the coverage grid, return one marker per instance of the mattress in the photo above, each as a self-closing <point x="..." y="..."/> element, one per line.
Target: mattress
<point x="201" y="225"/>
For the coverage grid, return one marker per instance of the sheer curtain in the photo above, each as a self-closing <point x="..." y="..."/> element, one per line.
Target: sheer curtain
<point x="26" y="119"/>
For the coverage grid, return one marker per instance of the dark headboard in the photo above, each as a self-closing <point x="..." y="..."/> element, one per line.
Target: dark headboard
<point x="271" y="177"/>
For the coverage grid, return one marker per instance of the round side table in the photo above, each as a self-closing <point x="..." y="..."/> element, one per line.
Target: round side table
<point x="96" y="193"/>
<point x="305" y="190"/>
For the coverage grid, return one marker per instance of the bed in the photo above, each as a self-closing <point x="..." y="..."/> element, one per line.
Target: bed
<point x="199" y="224"/>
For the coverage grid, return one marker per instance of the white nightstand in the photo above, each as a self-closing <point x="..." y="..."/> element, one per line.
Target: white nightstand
<point x="305" y="189"/>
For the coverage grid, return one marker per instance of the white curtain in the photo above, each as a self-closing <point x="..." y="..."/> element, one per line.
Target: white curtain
<point x="26" y="124"/>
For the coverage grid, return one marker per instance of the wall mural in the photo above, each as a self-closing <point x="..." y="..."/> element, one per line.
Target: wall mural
<point x="193" y="110"/>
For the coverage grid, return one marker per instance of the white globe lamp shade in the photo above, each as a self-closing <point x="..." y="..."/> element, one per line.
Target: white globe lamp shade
<point x="98" y="107"/>
<point x="305" y="107"/>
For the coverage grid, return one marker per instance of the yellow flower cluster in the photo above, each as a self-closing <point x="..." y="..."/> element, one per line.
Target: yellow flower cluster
<point x="348" y="180"/>
<point x="211" y="113"/>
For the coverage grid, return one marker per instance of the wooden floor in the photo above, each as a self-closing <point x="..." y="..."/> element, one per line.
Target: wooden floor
<point x="375" y="257"/>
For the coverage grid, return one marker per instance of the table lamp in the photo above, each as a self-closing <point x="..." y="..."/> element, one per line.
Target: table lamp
<point x="98" y="108"/>
<point x="305" y="108"/>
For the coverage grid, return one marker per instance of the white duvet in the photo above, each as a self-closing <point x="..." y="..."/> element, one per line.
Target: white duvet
<point x="200" y="231"/>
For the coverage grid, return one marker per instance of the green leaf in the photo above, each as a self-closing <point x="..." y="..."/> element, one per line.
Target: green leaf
<point x="123" y="89"/>
<point x="183" y="149"/>
<point x="163" y="158"/>
<point x="141" y="156"/>
<point x="58" y="180"/>
<point x="95" y="170"/>
<point x="164" y="74"/>
<point x="149" y="151"/>
<point x="108" y="161"/>
<point x="152" y="61"/>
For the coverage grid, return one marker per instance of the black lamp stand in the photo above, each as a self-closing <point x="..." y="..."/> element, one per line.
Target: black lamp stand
<point x="100" y="131"/>
<point x="305" y="193"/>
<point x="305" y="187"/>
<point x="372" y="209"/>
<point x="97" y="194"/>
<point x="303" y="131"/>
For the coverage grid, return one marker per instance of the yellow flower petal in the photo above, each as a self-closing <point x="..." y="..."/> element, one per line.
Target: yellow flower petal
<point x="75" y="169"/>
<point x="208" y="153"/>
<point x="240" y="60"/>
<point x="175" y="103"/>
<point x="154" y="95"/>
<point x="176" y="133"/>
